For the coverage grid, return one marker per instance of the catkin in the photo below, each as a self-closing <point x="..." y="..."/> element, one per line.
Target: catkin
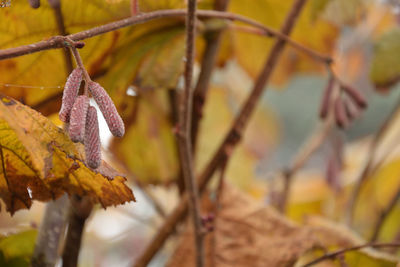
<point x="92" y="139"/>
<point x="77" y="121"/>
<point x="106" y="105"/>
<point x="70" y="94"/>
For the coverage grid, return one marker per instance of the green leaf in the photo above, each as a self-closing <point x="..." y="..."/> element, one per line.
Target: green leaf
<point x="385" y="68"/>
<point x="17" y="249"/>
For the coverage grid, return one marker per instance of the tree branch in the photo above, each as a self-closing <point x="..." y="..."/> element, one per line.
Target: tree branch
<point x="231" y="139"/>
<point x="79" y="211"/>
<point x="207" y="66"/>
<point x="368" y="165"/>
<point x="385" y="212"/>
<point x="50" y="232"/>
<point x="333" y="255"/>
<point x="53" y="43"/>
<point x="184" y="144"/>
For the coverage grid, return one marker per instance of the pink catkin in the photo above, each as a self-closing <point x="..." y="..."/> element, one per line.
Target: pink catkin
<point x="92" y="139"/>
<point x="106" y="105"/>
<point x="78" y="119"/>
<point x="70" y="94"/>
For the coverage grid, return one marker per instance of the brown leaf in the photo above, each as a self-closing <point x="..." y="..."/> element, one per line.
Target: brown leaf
<point x="40" y="162"/>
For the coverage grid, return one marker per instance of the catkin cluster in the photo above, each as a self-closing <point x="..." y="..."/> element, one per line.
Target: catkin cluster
<point x="82" y="118"/>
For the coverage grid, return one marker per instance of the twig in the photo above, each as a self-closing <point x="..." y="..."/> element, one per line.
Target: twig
<point x="308" y="148"/>
<point x="50" y="233"/>
<point x="184" y="144"/>
<point x="53" y="43"/>
<point x="368" y="166"/>
<point x="386" y="211"/>
<point x="207" y="66"/>
<point x="134" y="7"/>
<point x="55" y="5"/>
<point x="80" y="209"/>
<point x="231" y="139"/>
<point x="333" y="255"/>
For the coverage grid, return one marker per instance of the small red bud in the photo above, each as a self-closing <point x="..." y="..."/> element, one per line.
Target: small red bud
<point x="355" y="95"/>
<point x="340" y="113"/>
<point x="326" y="98"/>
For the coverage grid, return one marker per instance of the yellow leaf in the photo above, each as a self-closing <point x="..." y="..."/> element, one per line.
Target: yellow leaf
<point x="40" y="162"/>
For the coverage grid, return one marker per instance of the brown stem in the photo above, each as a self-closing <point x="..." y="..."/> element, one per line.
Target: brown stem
<point x="50" y="233"/>
<point x="207" y="66"/>
<point x="368" y="166"/>
<point x="53" y="42"/>
<point x="80" y="209"/>
<point x="184" y="144"/>
<point x="231" y="139"/>
<point x="333" y="255"/>
<point x="384" y="214"/>
<point x="61" y="30"/>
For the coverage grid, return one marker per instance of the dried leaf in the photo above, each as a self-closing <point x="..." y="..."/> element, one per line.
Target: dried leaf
<point x="40" y="162"/>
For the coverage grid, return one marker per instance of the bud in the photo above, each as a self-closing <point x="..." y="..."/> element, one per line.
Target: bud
<point x="106" y="105"/>
<point x="34" y="3"/>
<point x="78" y="119"/>
<point x="92" y="139"/>
<point x="326" y="99"/>
<point x="340" y="113"/>
<point x="355" y="95"/>
<point x="70" y="94"/>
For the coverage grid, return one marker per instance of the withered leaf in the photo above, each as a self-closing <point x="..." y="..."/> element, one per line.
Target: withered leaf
<point x="38" y="161"/>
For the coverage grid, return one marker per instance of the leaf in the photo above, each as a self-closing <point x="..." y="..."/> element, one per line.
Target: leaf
<point x="17" y="249"/>
<point x="148" y="148"/>
<point x="251" y="50"/>
<point x="385" y="67"/>
<point x="38" y="161"/>
<point x="248" y="233"/>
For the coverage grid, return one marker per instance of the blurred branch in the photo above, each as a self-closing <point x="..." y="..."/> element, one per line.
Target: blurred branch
<point x="56" y="6"/>
<point x="231" y="139"/>
<point x="53" y="42"/>
<point x="303" y="155"/>
<point x="368" y="165"/>
<point x="50" y="232"/>
<point x="207" y="66"/>
<point x="339" y="252"/>
<point x="79" y="211"/>
<point x="183" y="134"/>
<point x="386" y="211"/>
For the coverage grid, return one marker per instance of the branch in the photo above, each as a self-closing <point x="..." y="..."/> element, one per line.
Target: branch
<point x="50" y="232"/>
<point x="231" y="139"/>
<point x="52" y="42"/>
<point x="333" y="255"/>
<point x="386" y="211"/>
<point x="368" y="166"/>
<point x="184" y="144"/>
<point x="207" y="66"/>
<point x="79" y="211"/>
<point x="55" y="5"/>
<point x="303" y="155"/>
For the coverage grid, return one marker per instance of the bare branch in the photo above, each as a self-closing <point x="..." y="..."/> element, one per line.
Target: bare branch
<point x="52" y="42"/>
<point x="337" y="253"/>
<point x="231" y="139"/>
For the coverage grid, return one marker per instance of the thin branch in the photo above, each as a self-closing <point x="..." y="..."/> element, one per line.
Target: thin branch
<point x="184" y="144"/>
<point x="79" y="211"/>
<point x="333" y="255"/>
<point x="368" y="165"/>
<point x="231" y="139"/>
<point x="384" y="214"/>
<point x="53" y="43"/>
<point x="207" y="66"/>
<point x="50" y="233"/>
<point x="55" y="5"/>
